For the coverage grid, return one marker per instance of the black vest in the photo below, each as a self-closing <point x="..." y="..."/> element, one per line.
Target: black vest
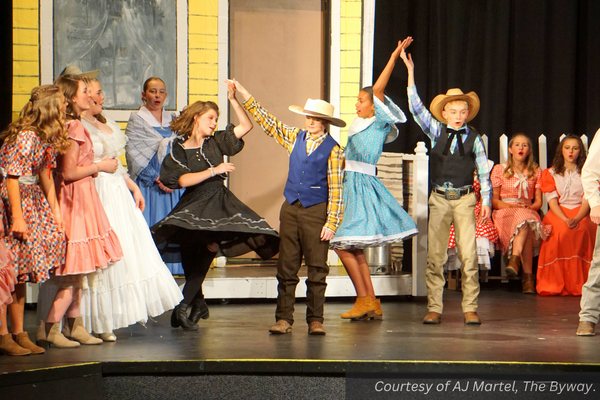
<point x="453" y="167"/>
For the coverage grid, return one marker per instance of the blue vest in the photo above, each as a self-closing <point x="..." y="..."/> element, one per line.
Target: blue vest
<point x="307" y="176"/>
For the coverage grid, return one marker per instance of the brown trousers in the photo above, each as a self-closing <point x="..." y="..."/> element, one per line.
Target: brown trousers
<point x="300" y="234"/>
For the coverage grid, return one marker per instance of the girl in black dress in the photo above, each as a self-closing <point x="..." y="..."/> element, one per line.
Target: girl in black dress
<point x="208" y="218"/>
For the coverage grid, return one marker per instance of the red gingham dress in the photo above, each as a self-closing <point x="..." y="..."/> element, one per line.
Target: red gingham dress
<point x="509" y="221"/>
<point x="485" y="228"/>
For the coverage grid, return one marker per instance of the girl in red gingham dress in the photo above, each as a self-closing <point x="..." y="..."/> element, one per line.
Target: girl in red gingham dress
<point x="517" y="198"/>
<point x="485" y="234"/>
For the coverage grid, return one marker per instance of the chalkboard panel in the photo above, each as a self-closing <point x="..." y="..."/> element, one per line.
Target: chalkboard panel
<point x="127" y="40"/>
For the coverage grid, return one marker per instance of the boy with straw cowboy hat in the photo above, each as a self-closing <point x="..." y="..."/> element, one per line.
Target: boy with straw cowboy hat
<point x="312" y="210"/>
<point x="456" y="150"/>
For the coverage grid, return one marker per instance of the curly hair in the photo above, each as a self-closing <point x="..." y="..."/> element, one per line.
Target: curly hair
<point x="530" y="164"/>
<point x="184" y="123"/>
<point x="42" y="115"/>
<point x="559" y="160"/>
<point x="69" y="84"/>
<point x="88" y="80"/>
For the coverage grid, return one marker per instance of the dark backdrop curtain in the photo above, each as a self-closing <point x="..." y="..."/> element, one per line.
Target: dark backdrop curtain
<point x="6" y="66"/>
<point x="535" y="64"/>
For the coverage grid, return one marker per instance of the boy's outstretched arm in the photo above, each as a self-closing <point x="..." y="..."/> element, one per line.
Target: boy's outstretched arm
<point x="410" y="65"/>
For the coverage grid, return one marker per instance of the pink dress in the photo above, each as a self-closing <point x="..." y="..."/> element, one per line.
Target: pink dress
<point x="8" y="274"/>
<point x="91" y="242"/>
<point x="509" y="221"/>
<point x="27" y="157"/>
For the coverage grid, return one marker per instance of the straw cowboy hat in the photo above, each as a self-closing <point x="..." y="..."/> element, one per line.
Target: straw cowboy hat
<point x="440" y="101"/>
<point x="319" y="109"/>
<point x="75" y="70"/>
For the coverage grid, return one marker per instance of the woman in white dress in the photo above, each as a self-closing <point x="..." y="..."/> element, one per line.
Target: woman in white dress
<point x="140" y="285"/>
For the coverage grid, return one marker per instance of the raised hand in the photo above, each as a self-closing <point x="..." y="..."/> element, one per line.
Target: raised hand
<point x="406" y="57"/>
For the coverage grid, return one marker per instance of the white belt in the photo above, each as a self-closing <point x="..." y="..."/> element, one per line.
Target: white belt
<point x="361" y="167"/>
<point x="28" y="180"/>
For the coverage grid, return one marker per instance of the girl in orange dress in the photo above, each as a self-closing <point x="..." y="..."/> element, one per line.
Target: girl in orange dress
<point x="31" y="217"/>
<point x="91" y="242"/>
<point x="565" y="258"/>
<point x="516" y="199"/>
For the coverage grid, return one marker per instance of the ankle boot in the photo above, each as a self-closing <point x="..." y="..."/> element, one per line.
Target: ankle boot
<point x="512" y="269"/>
<point x="75" y="330"/>
<point x="53" y="337"/>
<point x="9" y="347"/>
<point x="182" y="318"/>
<point x="378" y="312"/>
<point x="22" y="340"/>
<point x="364" y="306"/>
<point x="528" y="282"/>
<point x="174" y="320"/>
<point x="199" y="310"/>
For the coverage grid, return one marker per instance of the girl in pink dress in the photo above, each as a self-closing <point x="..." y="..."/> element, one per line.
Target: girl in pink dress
<point x="32" y="220"/>
<point x="566" y="256"/>
<point x="91" y="242"/>
<point x="516" y="199"/>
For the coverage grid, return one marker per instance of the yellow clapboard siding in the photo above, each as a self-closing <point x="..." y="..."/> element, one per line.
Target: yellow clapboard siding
<point x="26" y="68"/>
<point x="202" y="23"/>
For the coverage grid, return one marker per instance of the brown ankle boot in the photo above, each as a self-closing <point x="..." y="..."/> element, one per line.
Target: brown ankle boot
<point x="528" y="284"/>
<point x="512" y="269"/>
<point x="9" y="347"/>
<point x="53" y="337"/>
<point x="77" y="332"/>
<point x="378" y="312"/>
<point x="364" y="306"/>
<point x="22" y="340"/>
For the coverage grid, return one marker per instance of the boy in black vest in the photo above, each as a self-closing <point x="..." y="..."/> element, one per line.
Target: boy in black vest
<point x="312" y="210"/>
<point x="456" y="150"/>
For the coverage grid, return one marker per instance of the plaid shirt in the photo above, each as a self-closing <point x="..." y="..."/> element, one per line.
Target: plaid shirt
<point x="286" y="136"/>
<point x="433" y="128"/>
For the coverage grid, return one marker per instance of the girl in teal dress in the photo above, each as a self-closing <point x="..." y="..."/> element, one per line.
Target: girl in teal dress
<point x="372" y="216"/>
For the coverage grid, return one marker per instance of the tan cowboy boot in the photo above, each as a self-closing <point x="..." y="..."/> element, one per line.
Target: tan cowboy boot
<point x="9" y="347"/>
<point x="75" y="330"/>
<point x="53" y="337"/>
<point x="363" y="306"/>
<point x="22" y="340"/>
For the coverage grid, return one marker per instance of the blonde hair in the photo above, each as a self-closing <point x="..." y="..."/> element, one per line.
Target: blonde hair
<point x="41" y="115"/>
<point x="88" y="80"/>
<point x="69" y="84"/>
<point x="530" y="165"/>
<point x="184" y="123"/>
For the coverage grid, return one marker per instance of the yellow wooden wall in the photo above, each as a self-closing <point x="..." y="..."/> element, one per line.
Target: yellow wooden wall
<point x="203" y="42"/>
<point x="26" y="52"/>
<point x="350" y="59"/>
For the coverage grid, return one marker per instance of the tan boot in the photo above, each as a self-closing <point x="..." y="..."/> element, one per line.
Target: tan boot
<point x="78" y="332"/>
<point x="512" y="269"/>
<point x="22" y="340"/>
<point x="528" y="284"/>
<point x="378" y="312"/>
<point x="9" y="347"/>
<point x="53" y="337"/>
<point x="363" y="306"/>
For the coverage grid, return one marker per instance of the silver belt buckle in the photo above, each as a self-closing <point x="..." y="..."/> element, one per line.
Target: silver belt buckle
<point x="452" y="194"/>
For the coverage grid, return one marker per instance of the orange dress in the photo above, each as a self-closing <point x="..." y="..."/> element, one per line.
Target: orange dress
<point x="566" y="256"/>
<point x="91" y="242"/>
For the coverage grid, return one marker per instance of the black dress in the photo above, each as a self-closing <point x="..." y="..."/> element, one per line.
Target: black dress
<point x="209" y="212"/>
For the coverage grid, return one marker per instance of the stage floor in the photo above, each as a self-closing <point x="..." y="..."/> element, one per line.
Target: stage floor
<point x="520" y="329"/>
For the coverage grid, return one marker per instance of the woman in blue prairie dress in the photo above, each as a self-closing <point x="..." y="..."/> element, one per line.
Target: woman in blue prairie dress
<point x="149" y="141"/>
<point x="372" y="216"/>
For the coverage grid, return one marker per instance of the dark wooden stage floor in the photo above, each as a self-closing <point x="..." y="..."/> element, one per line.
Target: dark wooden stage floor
<point x="517" y="328"/>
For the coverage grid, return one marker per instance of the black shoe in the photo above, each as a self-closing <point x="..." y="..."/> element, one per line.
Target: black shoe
<point x="182" y="318"/>
<point x="199" y="310"/>
<point x="174" y="320"/>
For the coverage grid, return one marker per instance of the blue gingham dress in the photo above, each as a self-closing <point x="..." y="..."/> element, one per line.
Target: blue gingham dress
<point x="372" y="216"/>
